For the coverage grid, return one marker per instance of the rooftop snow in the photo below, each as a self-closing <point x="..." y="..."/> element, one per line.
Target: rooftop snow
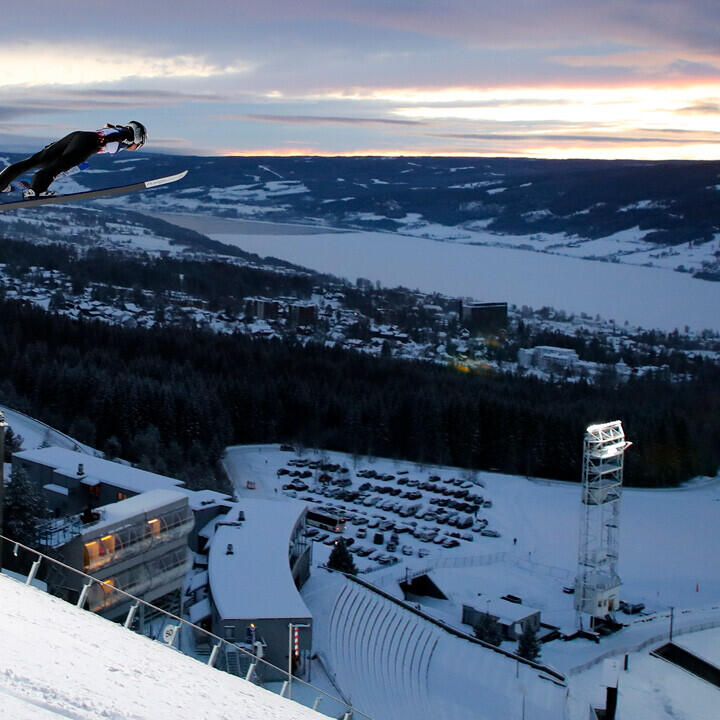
<point x="255" y="580"/>
<point x="112" y="473"/>
<point x="148" y="502"/>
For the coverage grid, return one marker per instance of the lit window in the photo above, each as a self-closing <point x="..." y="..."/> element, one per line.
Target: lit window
<point x="108" y="543"/>
<point x="91" y="551"/>
<point x="122" y="496"/>
<point x="154" y="526"/>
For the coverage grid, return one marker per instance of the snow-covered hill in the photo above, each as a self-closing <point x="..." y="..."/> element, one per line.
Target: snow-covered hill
<point x="656" y="214"/>
<point x="60" y="662"/>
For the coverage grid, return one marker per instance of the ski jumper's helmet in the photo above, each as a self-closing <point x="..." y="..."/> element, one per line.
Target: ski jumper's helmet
<point x="139" y="133"/>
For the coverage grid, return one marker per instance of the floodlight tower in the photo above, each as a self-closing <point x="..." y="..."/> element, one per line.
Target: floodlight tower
<point x="597" y="584"/>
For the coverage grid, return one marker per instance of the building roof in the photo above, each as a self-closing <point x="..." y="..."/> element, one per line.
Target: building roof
<point x="255" y="581"/>
<point x="96" y="470"/>
<point x="59" y="489"/>
<point x="132" y="507"/>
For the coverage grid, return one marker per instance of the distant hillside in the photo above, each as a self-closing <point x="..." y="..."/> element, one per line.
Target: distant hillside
<point x="647" y="209"/>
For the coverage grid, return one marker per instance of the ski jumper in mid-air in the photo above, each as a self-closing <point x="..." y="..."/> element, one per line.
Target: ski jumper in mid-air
<point x="70" y="151"/>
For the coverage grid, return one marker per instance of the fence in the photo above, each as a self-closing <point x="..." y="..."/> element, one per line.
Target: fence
<point x="220" y="650"/>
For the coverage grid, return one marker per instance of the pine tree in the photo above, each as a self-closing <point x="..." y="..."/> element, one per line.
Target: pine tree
<point x="24" y="507"/>
<point x="13" y="443"/>
<point x="488" y="630"/>
<point x="528" y="645"/>
<point x="341" y="559"/>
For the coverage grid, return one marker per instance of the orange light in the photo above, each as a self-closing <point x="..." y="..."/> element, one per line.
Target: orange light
<point x="154" y="520"/>
<point x="107" y="537"/>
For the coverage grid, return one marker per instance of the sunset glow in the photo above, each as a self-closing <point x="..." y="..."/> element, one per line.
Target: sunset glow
<point x="480" y="81"/>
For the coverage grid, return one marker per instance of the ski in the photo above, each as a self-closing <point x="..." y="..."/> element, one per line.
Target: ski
<point x="90" y="194"/>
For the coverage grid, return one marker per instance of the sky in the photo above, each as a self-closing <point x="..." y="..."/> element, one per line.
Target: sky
<point x="531" y="78"/>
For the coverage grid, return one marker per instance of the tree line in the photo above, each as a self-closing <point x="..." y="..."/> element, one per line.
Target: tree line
<point x="172" y="401"/>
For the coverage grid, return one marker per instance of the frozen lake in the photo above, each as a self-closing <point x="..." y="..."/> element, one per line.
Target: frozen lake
<point x="649" y="297"/>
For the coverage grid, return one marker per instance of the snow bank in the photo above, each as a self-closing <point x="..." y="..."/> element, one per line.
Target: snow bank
<point x="61" y="662"/>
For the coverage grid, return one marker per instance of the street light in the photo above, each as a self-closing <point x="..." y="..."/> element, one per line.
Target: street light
<point x="292" y="627"/>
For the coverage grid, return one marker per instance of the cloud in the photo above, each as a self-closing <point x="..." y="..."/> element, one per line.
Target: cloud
<point x="71" y="65"/>
<point x="588" y="138"/>
<point x="707" y="107"/>
<point x="322" y="119"/>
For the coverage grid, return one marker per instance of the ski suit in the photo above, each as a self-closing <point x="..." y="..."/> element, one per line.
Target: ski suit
<point x="66" y="153"/>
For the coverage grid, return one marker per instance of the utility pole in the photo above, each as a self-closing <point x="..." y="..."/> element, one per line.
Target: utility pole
<point x="672" y="617"/>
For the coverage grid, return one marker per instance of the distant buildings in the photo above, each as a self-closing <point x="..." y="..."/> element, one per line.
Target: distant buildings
<point x="547" y="358"/>
<point x="483" y="317"/>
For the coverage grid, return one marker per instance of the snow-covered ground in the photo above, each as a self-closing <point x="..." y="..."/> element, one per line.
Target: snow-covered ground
<point x="652" y="687"/>
<point x="60" y="662"/>
<point x="643" y="296"/>
<point x="36" y="434"/>
<point x="668" y="544"/>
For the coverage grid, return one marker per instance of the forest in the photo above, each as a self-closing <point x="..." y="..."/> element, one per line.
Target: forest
<point x="172" y="401"/>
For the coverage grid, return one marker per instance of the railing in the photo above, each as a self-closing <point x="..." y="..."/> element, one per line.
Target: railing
<point x="172" y="632"/>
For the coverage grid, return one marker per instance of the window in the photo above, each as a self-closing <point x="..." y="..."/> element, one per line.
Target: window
<point x="121" y="496"/>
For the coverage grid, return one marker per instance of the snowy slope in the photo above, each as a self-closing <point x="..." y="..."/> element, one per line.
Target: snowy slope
<point x="60" y="662"/>
<point x="34" y="433"/>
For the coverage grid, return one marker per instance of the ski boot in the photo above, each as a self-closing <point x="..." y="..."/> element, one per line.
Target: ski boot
<point x="29" y="194"/>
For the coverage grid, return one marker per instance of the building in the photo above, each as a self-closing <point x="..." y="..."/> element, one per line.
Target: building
<point x="139" y="545"/>
<point x="483" y="317"/>
<point x="73" y="481"/>
<point x="262" y="308"/>
<point x="511" y="618"/>
<point x="117" y="523"/>
<point x="258" y="558"/>
<point x="548" y="359"/>
<point x="302" y="313"/>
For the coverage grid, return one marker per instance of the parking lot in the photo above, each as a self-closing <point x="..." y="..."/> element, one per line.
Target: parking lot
<point x="388" y="516"/>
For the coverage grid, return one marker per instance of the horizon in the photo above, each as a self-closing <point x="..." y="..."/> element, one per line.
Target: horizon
<point x="411" y="79"/>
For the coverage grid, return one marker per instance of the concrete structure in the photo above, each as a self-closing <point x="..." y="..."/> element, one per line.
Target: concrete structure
<point x="138" y="545"/>
<point x="397" y="661"/>
<point x="258" y="558"/>
<point x="597" y="584"/>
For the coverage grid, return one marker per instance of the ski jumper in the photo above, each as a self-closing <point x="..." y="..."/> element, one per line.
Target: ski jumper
<point x="65" y="154"/>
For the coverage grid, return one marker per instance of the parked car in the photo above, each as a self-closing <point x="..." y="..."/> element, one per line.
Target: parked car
<point x="407" y="550"/>
<point x="362" y="533"/>
<point x="489" y="533"/>
<point x="423" y="552"/>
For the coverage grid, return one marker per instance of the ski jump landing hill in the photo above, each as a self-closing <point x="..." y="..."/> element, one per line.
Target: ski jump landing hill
<point x="395" y="661"/>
